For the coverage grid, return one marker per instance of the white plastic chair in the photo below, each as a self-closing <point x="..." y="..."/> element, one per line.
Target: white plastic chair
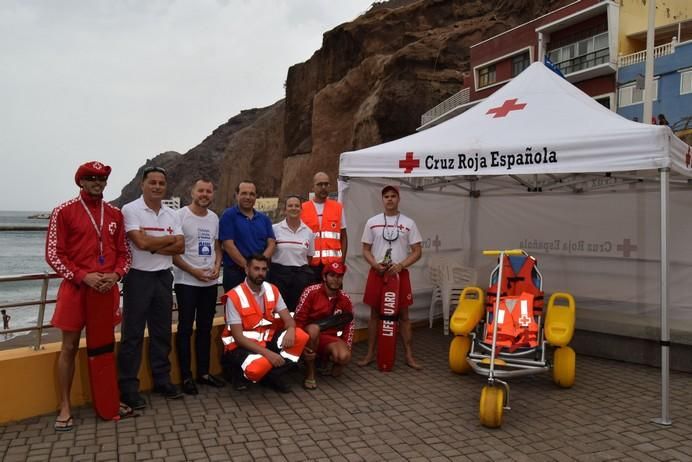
<point x="449" y="280"/>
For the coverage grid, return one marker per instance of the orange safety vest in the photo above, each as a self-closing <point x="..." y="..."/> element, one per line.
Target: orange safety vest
<point x="258" y="326"/>
<point x="516" y="325"/>
<point x="327" y="236"/>
<point x="517" y="282"/>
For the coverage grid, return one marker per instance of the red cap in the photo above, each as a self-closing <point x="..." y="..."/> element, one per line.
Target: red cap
<point x="390" y="187"/>
<point x="335" y="267"/>
<point x="91" y="168"/>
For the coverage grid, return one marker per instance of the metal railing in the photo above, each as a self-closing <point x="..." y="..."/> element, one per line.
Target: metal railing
<point x="585" y="61"/>
<point x="640" y="56"/>
<point x="459" y="98"/>
<point x="42" y="302"/>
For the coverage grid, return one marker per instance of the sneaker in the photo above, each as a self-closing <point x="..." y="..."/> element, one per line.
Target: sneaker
<point x="240" y="383"/>
<point x="210" y="380"/>
<point x="189" y="387"/>
<point x="169" y="391"/>
<point x="276" y="384"/>
<point x="134" y="400"/>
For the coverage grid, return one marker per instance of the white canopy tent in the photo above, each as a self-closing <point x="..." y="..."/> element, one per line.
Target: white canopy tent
<point x="481" y="180"/>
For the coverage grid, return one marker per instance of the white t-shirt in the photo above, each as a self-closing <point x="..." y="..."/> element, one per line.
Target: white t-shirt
<point x="233" y="316"/>
<point x="138" y="216"/>
<point x="293" y="249"/>
<point x="400" y="230"/>
<point x="319" y="208"/>
<point x="201" y="233"/>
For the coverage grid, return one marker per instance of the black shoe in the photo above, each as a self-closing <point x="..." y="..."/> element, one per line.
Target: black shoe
<point x="210" y="380"/>
<point x="134" y="400"/>
<point x="240" y="383"/>
<point x="276" y="384"/>
<point x="189" y="387"/>
<point x="169" y="391"/>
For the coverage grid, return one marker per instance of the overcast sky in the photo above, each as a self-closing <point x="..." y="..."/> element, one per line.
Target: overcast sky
<point x="122" y="81"/>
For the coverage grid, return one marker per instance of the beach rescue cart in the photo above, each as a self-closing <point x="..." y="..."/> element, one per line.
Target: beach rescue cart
<point x="507" y="331"/>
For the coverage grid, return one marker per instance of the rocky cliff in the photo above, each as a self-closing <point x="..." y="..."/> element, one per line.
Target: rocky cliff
<point x="369" y="83"/>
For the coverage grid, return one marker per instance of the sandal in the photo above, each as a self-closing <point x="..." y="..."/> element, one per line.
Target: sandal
<point x="65" y="425"/>
<point x="126" y="411"/>
<point x="310" y="384"/>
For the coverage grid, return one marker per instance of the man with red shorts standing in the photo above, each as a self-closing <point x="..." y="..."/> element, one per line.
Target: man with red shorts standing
<point x="391" y="243"/>
<point x="322" y="302"/>
<point x="86" y="246"/>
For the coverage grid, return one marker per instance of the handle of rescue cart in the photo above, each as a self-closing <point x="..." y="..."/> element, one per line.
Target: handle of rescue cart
<point x="492" y="253"/>
<point x="501" y="253"/>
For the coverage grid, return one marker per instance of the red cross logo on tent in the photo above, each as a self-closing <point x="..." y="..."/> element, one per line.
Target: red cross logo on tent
<point x="626" y="247"/>
<point x="508" y="106"/>
<point x="409" y="163"/>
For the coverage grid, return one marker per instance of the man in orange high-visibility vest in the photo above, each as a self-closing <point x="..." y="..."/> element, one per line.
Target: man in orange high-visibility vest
<point x="325" y="217"/>
<point x="260" y="339"/>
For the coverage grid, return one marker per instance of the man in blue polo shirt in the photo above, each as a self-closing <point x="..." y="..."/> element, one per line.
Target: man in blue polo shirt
<point x="243" y="231"/>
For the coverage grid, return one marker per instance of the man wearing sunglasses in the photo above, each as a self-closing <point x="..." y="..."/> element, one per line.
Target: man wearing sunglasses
<point x="391" y="243"/>
<point x="86" y="246"/>
<point x="155" y="235"/>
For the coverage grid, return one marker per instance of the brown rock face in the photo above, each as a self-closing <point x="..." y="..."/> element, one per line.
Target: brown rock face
<point x="369" y="83"/>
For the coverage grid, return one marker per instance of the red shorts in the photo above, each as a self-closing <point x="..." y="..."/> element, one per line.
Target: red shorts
<point x="325" y="339"/>
<point x="70" y="309"/>
<point x="373" y="289"/>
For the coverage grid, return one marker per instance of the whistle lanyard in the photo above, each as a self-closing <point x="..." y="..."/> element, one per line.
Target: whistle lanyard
<point x="98" y="228"/>
<point x="390" y="236"/>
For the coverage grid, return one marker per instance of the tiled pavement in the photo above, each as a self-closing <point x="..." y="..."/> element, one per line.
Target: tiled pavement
<point x="404" y="415"/>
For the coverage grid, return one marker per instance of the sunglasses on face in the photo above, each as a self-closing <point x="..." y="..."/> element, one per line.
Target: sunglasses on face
<point x="95" y="178"/>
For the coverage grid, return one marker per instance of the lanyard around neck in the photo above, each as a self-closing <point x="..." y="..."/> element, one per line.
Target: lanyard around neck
<point x="98" y="228"/>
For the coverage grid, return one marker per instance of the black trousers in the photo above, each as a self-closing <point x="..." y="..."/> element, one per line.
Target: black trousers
<point x="232" y="276"/>
<point x="291" y="281"/>
<point x="147" y="302"/>
<point x="195" y="305"/>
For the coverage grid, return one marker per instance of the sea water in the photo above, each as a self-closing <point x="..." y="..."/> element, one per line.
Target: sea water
<point x="22" y="252"/>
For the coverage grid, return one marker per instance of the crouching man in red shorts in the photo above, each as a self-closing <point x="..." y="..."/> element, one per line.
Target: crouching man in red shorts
<point x="326" y="314"/>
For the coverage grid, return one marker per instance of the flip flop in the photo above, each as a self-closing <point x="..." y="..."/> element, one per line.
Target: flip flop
<point x="310" y="384"/>
<point x="65" y="425"/>
<point x="126" y="411"/>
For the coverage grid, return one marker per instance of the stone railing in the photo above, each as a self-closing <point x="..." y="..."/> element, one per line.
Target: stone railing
<point x="640" y="56"/>
<point x="445" y="106"/>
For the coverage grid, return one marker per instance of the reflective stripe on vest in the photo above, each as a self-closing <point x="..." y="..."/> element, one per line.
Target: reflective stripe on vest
<point x="284" y="353"/>
<point x="327" y="235"/>
<point x="327" y="254"/>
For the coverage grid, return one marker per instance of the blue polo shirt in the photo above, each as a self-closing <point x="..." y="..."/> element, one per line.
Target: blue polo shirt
<point x="249" y="234"/>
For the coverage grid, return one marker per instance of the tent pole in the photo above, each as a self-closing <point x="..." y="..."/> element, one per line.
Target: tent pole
<point x="665" y="330"/>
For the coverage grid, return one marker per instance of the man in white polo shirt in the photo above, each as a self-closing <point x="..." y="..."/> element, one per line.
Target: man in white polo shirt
<point x="154" y="235"/>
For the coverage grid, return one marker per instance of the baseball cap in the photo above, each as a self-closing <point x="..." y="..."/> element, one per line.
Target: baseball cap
<point x="335" y="267"/>
<point x="390" y="187"/>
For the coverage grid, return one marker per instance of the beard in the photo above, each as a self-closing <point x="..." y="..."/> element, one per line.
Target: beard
<point x="257" y="280"/>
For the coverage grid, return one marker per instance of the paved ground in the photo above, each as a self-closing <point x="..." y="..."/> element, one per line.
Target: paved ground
<point x="404" y="415"/>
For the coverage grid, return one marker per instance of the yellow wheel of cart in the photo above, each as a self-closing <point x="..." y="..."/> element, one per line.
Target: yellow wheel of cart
<point x="564" y="367"/>
<point x="458" y="350"/>
<point x="491" y="406"/>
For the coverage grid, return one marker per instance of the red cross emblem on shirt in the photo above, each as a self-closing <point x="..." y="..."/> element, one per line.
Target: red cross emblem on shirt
<point x="170" y="230"/>
<point x="508" y="106"/>
<point x="409" y="163"/>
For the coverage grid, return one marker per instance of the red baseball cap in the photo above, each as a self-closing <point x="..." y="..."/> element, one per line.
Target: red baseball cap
<point x="390" y="187"/>
<point x="91" y="168"/>
<point x="335" y="267"/>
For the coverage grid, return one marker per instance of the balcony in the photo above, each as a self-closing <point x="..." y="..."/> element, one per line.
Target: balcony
<point x="580" y="63"/>
<point x="640" y="56"/>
